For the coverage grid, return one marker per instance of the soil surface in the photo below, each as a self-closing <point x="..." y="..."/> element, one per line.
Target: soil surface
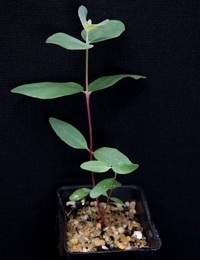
<point x="123" y="230"/>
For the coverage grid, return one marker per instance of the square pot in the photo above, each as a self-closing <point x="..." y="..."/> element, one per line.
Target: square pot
<point x="125" y="193"/>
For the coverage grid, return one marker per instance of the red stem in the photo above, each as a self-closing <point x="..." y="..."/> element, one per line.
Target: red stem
<point x="87" y="96"/>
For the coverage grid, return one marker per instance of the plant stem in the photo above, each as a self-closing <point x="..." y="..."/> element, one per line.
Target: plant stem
<point x="87" y="96"/>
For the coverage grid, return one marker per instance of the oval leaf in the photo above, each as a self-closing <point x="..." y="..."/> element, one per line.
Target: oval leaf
<point x="118" y="161"/>
<point x="125" y="168"/>
<point x="118" y="201"/>
<point x="95" y="166"/>
<point x="111" y="156"/>
<point x="79" y="194"/>
<point x="103" y="186"/>
<point x="108" y="30"/>
<point x="68" y="42"/>
<point x="48" y="90"/>
<point x="82" y="13"/>
<point x="68" y="133"/>
<point x="108" y="81"/>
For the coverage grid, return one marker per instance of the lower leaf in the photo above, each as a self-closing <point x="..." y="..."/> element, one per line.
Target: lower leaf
<point x="103" y="186"/>
<point x="79" y="194"/>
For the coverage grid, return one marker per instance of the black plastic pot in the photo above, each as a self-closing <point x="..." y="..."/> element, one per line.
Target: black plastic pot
<point x="125" y="193"/>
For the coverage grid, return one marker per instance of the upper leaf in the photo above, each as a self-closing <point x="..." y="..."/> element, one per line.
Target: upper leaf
<point x="108" y="29"/>
<point x="48" y="90"/>
<point x="108" y="81"/>
<point x="95" y="166"/>
<point x="117" y="160"/>
<point x="110" y="156"/>
<point x="68" y="133"/>
<point x="87" y="25"/>
<point x="124" y="168"/>
<point x="68" y="42"/>
<point x="82" y="13"/>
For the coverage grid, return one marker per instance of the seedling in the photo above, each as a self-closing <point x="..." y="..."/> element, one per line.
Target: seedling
<point x="103" y="159"/>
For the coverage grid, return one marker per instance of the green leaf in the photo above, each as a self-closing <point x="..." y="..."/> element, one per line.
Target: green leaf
<point x="87" y="25"/>
<point x="95" y="166"/>
<point x="118" y="161"/>
<point x="117" y="200"/>
<point x="82" y="13"/>
<point x="107" y="30"/>
<point x="103" y="186"/>
<point x="125" y="168"/>
<point x="111" y="156"/>
<point x="79" y="194"/>
<point x="108" y="81"/>
<point x="68" y="133"/>
<point x="68" y="42"/>
<point x="48" y="90"/>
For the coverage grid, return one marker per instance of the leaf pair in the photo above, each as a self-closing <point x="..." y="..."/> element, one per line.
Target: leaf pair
<point x="92" y="33"/>
<point x="106" y="158"/>
<point x="100" y="189"/>
<point x="105" y="30"/>
<point x="110" y="158"/>
<point x="51" y="90"/>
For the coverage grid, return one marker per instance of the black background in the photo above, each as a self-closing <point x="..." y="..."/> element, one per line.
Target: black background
<point x="155" y="122"/>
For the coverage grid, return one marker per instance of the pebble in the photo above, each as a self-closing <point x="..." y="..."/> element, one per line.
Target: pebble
<point x="120" y="230"/>
<point x="137" y="234"/>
